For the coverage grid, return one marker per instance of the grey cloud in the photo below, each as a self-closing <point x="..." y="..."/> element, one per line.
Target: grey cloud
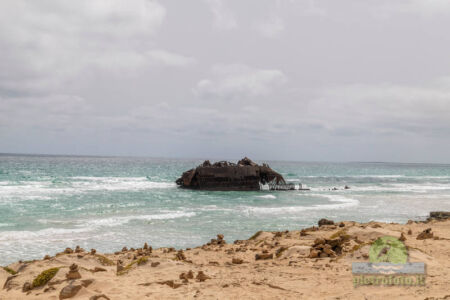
<point x="239" y="81"/>
<point x="310" y="80"/>
<point x="224" y="18"/>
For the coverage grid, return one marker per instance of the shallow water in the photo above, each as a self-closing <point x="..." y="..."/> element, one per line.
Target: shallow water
<point x="48" y="203"/>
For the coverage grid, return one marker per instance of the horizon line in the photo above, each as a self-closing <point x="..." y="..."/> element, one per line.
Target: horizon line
<point x="218" y="159"/>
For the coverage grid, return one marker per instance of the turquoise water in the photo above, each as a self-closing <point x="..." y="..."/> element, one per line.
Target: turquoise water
<point x="48" y="203"/>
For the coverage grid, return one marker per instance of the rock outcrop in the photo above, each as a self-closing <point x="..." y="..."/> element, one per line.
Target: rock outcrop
<point x="226" y="176"/>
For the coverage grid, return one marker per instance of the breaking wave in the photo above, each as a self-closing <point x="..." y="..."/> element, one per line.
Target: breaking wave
<point x="77" y="185"/>
<point x="340" y="202"/>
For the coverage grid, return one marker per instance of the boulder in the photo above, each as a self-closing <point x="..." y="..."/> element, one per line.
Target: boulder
<point x="439" y="215"/>
<point x="426" y="234"/>
<point x="69" y="291"/>
<point x="325" y="222"/>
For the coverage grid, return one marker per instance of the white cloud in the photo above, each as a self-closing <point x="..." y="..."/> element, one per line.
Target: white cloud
<point x="383" y="108"/>
<point x="224" y="18"/>
<point x="271" y="27"/>
<point x="237" y="81"/>
<point x="423" y="8"/>
<point x="170" y="58"/>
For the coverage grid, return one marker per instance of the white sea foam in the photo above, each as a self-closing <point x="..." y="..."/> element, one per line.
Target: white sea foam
<point x="48" y="234"/>
<point x="82" y="227"/>
<point x="376" y="176"/>
<point x="342" y="203"/>
<point x="267" y="196"/>
<point x="117" y="221"/>
<point x="78" y="185"/>
<point x="402" y="187"/>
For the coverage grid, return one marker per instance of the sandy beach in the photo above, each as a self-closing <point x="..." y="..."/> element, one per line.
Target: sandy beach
<point x="268" y="265"/>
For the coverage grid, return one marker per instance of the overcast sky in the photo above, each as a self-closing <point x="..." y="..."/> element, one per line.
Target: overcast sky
<point x="287" y="80"/>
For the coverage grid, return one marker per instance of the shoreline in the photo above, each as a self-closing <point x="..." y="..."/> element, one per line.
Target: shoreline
<point x="268" y="265"/>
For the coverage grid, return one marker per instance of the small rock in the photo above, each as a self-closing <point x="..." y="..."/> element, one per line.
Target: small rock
<point x="87" y="282"/>
<point x="170" y="283"/>
<point x="314" y="253"/>
<point x="346" y="187"/>
<point x="155" y="264"/>
<point x="98" y="269"/>
<point x="319" y="241"/>
<point x="263" y="256"/>
<point x="220" y="237"/>
<point x="186" y="276"/>
<point x="93" y="251"/>
<point x="119" y="266"/>
<point x="124" y="249"/>
<point x="237" y="261"/>
<point x="69" y="291"/>
<point x="180" y="255"/>
<point x="68" y="251"/>
<point x="426" y="234"/>
<point x="26" y="287"/>
<point x="202" y="276"/>
<point x="78" y="249"/>
<point x="99" y="297"/>
<point x="49" y="289"/>
<point x="341" y="224"/>
<point x="409" y="232"/>
<point x="402" y="237"/>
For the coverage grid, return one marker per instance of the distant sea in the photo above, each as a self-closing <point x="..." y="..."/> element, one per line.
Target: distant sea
<point x="48" y="203"/>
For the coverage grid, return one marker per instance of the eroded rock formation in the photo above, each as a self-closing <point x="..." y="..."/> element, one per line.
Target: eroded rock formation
<point x="246" y="175"/>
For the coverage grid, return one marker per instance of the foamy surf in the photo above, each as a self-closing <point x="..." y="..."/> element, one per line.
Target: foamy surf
<point x="43" y="235"/>
<point x="267" y="197"/>
<point x="78" y="185"/>
<point x="117" y="221"/>
<point x="343" y="203"/>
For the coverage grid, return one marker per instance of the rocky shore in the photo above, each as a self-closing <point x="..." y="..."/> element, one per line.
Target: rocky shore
<point x="309" y="263"/>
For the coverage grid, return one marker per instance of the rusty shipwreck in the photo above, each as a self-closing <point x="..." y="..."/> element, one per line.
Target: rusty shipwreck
<point x="246" y="175"/>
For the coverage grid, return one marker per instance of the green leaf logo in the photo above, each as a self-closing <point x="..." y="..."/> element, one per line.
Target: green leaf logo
<point x="388" y="249"/>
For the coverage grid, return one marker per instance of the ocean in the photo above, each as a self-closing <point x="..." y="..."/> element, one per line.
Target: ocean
<point x="48" y="203"/>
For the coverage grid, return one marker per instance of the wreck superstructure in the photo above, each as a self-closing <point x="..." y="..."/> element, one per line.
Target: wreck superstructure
<point x="226" y="176"/>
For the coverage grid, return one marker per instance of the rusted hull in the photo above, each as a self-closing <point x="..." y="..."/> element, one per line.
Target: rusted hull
<point x="225" y="176"/>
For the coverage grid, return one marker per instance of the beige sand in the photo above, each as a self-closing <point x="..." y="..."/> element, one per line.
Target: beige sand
<point x="290" y="274"/>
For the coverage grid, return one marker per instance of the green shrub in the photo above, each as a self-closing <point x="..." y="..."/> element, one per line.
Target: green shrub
<point x="10" y="271"/>
<point x="44" y="277"/>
